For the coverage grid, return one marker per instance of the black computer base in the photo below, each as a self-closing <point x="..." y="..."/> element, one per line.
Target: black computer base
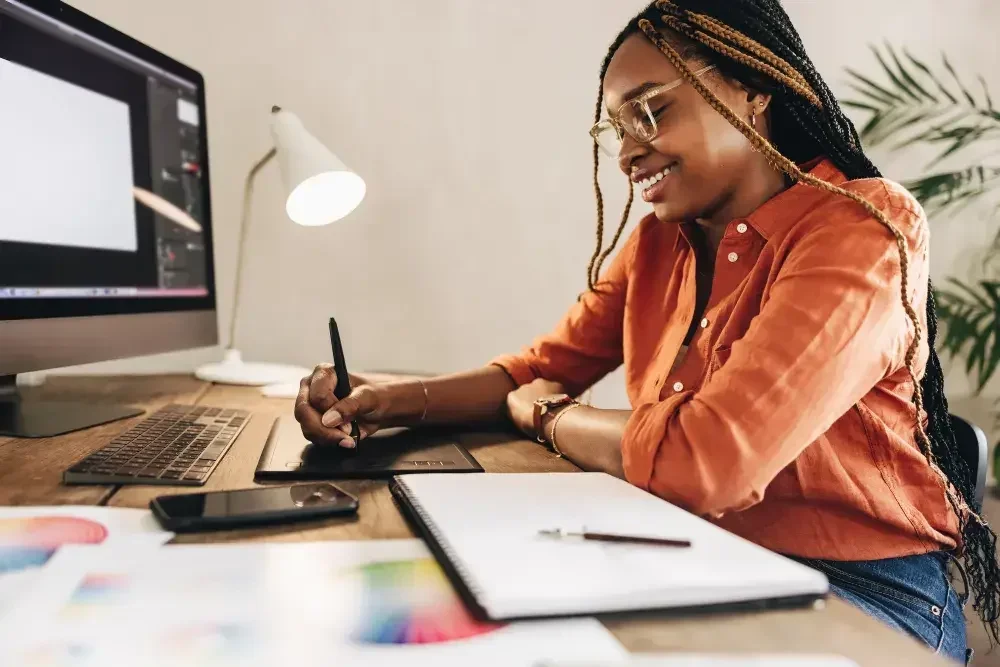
<point x="22" y="417"/>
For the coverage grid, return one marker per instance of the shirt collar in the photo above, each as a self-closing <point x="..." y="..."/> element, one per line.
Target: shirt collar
<point x="790" y="205"/>
<point x="785" y="207"/>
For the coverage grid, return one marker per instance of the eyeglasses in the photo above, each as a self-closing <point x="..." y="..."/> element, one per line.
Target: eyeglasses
<point x="634" y="117"/>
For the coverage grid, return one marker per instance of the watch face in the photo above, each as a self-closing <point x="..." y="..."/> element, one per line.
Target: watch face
<point x="555" y="399"/>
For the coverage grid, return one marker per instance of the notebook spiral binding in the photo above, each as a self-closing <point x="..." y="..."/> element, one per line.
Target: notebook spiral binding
<point x="460" y="577"/>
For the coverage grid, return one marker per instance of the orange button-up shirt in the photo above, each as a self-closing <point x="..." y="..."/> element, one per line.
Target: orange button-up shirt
<point x="787" y="419"/>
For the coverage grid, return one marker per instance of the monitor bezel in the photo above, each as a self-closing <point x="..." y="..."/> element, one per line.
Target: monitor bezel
<point x="49" y="308"/>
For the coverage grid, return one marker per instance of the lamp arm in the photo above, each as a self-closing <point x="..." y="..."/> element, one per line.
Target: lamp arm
<point x="244" y="226"/>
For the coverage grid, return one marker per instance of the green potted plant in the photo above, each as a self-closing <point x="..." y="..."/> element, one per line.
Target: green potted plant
<point x="910" y="104"/>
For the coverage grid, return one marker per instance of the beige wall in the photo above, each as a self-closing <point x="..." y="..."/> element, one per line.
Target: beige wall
<point x="468" y="120"/>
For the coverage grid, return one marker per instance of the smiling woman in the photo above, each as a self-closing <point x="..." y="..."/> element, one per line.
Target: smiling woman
<point x="774" y="320"/>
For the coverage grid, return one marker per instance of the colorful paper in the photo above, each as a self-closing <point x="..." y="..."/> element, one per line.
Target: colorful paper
<point x="30" y="536"/>
<point x="337" y="603"/>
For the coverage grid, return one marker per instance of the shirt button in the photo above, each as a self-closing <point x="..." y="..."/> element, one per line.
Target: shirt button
<point x="704" y="323"/>
<point x="733" y="257"/>
<point x="741" y="228"/>
<point x="678" y="386"/>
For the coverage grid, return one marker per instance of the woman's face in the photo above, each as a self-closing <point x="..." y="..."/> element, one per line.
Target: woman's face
<point x="704" y="157"/>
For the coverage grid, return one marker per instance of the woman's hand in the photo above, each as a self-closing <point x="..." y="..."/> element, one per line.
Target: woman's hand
<point x="521" y="403"/>
<point x="327" y="420"/>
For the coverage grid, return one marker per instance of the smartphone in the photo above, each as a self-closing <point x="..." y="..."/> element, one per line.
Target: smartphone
<point x="231" y="509"/>
<point x="343" y="389"/>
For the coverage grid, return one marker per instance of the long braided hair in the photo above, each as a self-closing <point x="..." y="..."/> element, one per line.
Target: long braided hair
<point x="753" y="41"/>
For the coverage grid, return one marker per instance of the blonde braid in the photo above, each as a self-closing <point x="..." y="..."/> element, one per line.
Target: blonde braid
<point x="797" y="84"/>
<point x="751" y="45"/>
<point x="618" y="233"/>
<point x="780" y="162"/>
<point x="599" y="195"/>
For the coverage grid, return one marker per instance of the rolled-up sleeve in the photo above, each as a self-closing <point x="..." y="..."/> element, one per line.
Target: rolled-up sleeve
<point x="586" y="345"/>
<point x="832" y="326"/>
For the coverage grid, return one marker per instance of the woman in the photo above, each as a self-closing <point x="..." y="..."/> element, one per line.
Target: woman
<point x="771" y="316"/>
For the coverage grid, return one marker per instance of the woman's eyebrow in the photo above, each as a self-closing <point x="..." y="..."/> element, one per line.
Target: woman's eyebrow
<point x="637" y="91"/>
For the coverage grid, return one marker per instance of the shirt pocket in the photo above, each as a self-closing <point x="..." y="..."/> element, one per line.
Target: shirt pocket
<point x="720" y="355"/>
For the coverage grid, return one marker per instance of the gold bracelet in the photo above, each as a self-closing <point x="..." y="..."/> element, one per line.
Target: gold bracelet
<point x="555" y="424"/>
<point x="423" y="415"/>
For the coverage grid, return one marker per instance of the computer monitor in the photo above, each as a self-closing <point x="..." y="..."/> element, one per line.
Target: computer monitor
<point x="105" y="217"/>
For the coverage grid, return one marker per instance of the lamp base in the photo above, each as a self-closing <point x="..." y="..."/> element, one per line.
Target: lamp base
<point x="233" y="370"/>
<point x="281" y="390"/>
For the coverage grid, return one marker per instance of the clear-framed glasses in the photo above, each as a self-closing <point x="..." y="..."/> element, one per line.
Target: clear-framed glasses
<point x="637" y="116"/>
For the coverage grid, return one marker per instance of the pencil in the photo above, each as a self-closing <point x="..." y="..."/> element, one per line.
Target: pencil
<point x="620" y="539"/>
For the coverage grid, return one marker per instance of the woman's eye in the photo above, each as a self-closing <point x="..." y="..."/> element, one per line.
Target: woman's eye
<point x="658" y="113"/>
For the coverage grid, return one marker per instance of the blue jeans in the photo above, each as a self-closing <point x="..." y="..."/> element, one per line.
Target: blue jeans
<point x="912" y="594"/>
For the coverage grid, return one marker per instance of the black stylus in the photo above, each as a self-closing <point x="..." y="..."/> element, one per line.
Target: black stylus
<point x="343" y="388"/>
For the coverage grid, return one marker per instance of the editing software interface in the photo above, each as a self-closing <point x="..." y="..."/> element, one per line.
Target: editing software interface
<point x="101" y="185"/>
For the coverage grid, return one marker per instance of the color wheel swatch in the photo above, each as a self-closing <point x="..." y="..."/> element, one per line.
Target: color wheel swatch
<point x="94" y="591"/>
<point x="411" y="602"/>
<point x="31" y="541"/>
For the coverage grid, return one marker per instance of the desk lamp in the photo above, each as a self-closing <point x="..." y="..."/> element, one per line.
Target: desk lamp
<point x="321" y="190"/>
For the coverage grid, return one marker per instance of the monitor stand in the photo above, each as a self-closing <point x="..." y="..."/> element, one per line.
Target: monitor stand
<point x="28" y="418"/>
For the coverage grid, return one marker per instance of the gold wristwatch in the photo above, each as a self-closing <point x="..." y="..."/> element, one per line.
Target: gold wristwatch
<point x="544" y="406"/>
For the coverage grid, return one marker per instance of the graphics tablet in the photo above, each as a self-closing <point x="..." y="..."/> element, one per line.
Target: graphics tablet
<point x="289" y="456"/>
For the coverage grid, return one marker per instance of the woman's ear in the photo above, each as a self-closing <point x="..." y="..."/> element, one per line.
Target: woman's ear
<point x="758" y="101"/>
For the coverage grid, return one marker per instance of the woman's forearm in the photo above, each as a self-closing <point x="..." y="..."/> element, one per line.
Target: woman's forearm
<point x="474" y="396"/>
<point x="591" y="438"/>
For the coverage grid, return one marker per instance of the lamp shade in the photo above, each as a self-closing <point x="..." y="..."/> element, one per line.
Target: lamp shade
<point x="321" y="189"/>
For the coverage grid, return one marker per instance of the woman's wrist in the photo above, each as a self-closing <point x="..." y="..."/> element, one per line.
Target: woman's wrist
<point x="551" y="418"/>
<point x="405" y="401"/>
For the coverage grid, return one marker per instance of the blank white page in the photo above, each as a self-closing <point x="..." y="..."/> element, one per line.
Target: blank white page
<point x="65" y="164"/>
<point x="489" y="523"/>
<point x="709" y="660"/>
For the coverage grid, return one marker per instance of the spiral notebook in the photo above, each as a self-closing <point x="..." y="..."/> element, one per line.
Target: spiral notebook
<point x="484" y="531"/>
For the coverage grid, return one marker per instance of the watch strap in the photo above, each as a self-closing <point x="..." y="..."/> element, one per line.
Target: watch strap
<point x="542" y="407"/>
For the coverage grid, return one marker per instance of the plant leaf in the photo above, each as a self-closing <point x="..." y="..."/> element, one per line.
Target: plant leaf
<point x="962" y="137"/>
<point x="883" y="92"/>
<point x="934" y="131"/>
<point x="971" y="292"/>
<point x="859" y="105"/>
<point x="872" y="95"/>
<point x="906" y="75"/>
<point x="961" y="86"/>
<point x="988" y="368"/>
<point x="986" y="93"/>
<point x="895" y="79"/>
<point x="927" y="70"/>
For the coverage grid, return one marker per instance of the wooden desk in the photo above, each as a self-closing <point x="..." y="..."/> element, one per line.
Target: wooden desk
<point x="30" y="473"/>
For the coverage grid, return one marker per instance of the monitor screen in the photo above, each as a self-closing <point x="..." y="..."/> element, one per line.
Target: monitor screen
<point x="104" y="198"/>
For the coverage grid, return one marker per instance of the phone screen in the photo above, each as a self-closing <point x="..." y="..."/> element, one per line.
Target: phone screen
<point x="251" y="502"/>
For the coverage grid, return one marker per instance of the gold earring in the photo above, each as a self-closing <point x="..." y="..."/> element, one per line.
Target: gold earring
<point x="753" y="124"/>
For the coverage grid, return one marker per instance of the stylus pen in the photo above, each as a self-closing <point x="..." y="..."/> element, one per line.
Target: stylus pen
<point x="343" y="388"/>
<point x="621" y="539"/>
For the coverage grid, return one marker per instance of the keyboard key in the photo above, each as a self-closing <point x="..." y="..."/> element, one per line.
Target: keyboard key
<point x="176" y="442"/>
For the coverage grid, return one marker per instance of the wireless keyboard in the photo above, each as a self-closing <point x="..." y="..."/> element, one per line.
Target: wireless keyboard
<point x="179" y="444"/>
